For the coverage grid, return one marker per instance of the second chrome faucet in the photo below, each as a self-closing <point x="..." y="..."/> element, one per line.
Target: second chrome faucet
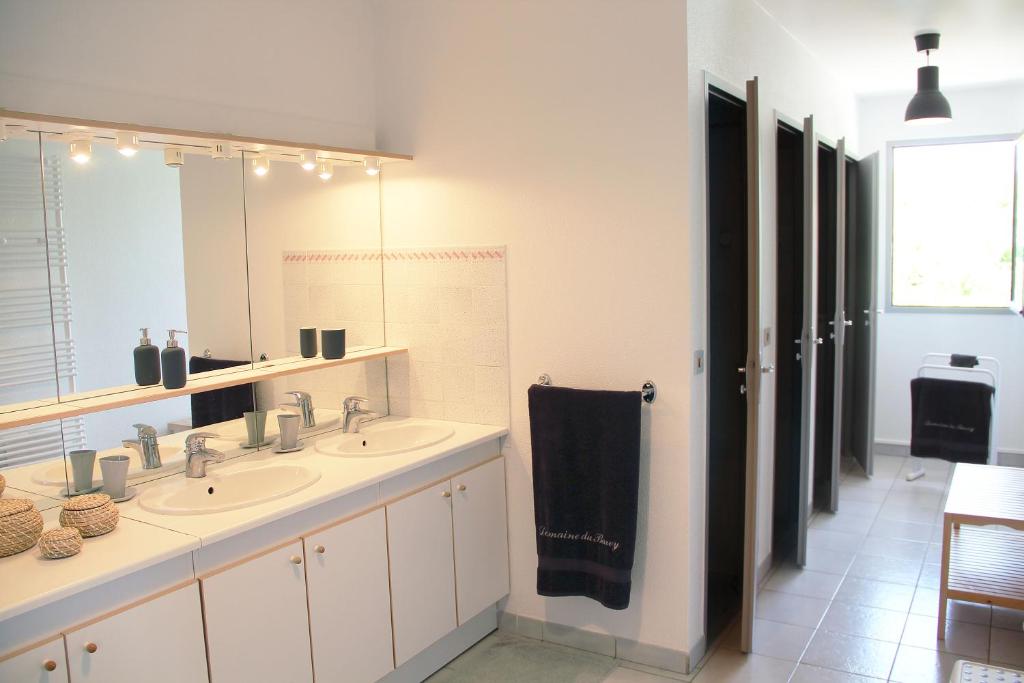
<point x="146" y="445"/>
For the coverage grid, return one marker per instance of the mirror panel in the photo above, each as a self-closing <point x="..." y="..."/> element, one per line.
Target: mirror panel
<point x="28" y="375"/>
<point x="315" y="261"/>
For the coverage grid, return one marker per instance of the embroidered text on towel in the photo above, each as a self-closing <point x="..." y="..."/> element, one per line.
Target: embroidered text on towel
<point x="585" y="536"/>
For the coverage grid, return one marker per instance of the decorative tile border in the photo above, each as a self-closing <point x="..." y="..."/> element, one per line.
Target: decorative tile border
<point x="450" y="254"/>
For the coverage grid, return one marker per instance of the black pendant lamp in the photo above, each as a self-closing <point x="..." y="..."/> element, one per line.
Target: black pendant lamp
<point x="928" y="104"/>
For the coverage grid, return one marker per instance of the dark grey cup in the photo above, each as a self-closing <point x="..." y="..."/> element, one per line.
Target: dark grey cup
<point x="333" y="343"/>
<point x="307" y="341"/>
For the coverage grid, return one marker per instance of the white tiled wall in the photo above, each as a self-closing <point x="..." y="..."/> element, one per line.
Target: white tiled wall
<point x="333" y="289"/>
<point x="325" y="289"/>
<point x="449" y="307"/>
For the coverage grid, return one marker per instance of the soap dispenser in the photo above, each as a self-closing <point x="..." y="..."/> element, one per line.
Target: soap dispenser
<point x="172" y="362"/>
<point x="147" y="361"/>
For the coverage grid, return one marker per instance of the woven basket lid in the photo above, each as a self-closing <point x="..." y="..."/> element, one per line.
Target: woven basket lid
<point x="13" y="506"/>
<point x="87" y="502"/>
<point x="62" y="534"/>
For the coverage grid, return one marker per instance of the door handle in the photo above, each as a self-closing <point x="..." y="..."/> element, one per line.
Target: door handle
<point x="741" y="370"/>
<point x="743" y="389"/>
<point x="819" y="340"/>
<point x="847" y="323"/>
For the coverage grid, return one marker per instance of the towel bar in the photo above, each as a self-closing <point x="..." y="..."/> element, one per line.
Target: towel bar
<point x="648" y="392"/>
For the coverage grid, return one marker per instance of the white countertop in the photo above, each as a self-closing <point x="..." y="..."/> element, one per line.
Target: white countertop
<point x="144" y="538"/>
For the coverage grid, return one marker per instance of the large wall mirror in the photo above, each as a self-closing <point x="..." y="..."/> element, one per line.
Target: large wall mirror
<point x="238" y="246"/>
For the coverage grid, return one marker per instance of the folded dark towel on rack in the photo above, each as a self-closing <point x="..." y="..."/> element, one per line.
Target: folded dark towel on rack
<point x="219" y="405"/>
<point x="586" y="469"/>
<point x="962" y="360"/>
<point x="950" y="419"/>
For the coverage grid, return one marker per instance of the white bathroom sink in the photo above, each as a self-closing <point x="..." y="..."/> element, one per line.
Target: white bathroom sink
<point x="54" y="473"/>
<point x="228" y="490"/>
<point x="386" y="438"/>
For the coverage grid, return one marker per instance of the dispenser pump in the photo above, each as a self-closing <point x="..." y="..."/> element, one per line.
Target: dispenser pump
<point x="144" y="341"/>
<point x="172" y="343"/>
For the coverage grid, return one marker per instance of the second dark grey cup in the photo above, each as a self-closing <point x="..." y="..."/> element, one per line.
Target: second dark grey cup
<point x="307" y="341"/>
<point x="333" y="343"/>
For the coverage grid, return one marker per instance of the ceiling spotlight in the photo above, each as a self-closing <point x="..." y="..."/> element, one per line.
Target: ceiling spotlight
<point x="307" y="159"/>
<point x="260" y="165"/>
<point x="325" y="169"/>
<point x="221" y="150"/>
<point x="372" y="165"/>
<point x="80" y="149"/>
<point x="127" y="144"/>
<point x="174" y="156"/>
<point x="928" y="104"/>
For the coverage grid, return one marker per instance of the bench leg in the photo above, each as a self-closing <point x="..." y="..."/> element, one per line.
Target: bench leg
<point x="947" y="532"/>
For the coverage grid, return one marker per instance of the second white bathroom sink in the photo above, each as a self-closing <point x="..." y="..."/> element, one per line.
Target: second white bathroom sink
<point x="386" y="438"/>
<point x="228" y="490"/>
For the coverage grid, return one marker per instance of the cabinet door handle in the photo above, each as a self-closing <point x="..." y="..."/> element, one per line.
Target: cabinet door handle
<point x="91" y="647"/>
<point x="320" y="549"/>
<point x="446" y="494"/>
<point x="461" y="487"/>
<point x="50" y="665"/>
<point x="296" y="559"/>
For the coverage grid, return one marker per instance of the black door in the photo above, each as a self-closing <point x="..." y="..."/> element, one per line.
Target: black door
<point x="824" y="473"/>
<point x="726" y="355"/>
<point x="789" y="325"/>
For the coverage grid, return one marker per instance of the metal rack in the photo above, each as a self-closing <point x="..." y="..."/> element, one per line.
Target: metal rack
<point x="648" y="392"/>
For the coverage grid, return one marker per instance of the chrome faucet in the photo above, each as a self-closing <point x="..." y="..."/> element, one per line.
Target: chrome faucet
<point x="304" y="402"/>
<point x="353" y="415"/>
<point x="197" y="454"/>
<point x="146" y="445"/>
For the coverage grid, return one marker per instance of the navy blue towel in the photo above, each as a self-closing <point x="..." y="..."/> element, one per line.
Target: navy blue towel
<point x="950" y="419"/>
<point x="219" y="405"/>
<point x="586" y="470"/>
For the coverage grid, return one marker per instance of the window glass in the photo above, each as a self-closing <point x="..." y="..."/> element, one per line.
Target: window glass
<point x="952" y="225"/>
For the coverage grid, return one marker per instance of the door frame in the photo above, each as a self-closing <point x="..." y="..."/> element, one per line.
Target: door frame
<point x="748" y="602"/>
<point x="809" y="336"/>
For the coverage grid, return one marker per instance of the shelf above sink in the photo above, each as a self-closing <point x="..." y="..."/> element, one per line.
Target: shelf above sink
<point x="129" y="396"/>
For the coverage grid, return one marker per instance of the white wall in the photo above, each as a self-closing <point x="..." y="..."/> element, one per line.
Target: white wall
<point x="559" y="130"/>
<point x="903" y="338"/>
<point x="266" y="68"/>
<point x="735" y="40"/>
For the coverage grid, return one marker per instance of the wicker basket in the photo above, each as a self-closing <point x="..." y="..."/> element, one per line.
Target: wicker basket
<point x="62" y="542"/>
<point x="20" y="525"/>
<point x="92" y="514"/>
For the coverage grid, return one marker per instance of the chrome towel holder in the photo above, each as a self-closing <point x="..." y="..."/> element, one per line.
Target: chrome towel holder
<point x="648" y="392"/>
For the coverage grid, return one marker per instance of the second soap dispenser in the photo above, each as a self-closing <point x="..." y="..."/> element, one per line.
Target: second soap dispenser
<point x="172" y="362"/>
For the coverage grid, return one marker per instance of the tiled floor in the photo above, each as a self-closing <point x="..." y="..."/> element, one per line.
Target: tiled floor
<point x="862" y="610"/>
<point x="506" y="658"/>
<point x="865" y="606"/>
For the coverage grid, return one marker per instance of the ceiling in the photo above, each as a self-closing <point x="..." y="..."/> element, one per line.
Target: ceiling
<point x="870" y="43"/>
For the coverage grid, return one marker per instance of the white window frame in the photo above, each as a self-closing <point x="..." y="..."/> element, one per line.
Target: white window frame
<point x="1012" y="307"/>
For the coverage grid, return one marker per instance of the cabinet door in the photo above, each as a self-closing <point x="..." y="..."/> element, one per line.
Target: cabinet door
<point x="481" y="538"/>
<point x="42" y="664"/>
<point x="422" y="570"/>
<point x="156" y="641"/>
<point x="349" y="602"/>
<point x="257" y="626"/>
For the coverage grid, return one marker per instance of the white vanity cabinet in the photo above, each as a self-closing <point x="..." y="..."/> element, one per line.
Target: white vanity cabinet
<point x="159" y="640"/>
<point x="43" y="663"/>
<point x="349" y="600"/>
<point x="257" y="625"/>
<point x="449" y="556"/>
<point x="479" y="523"/>
<point x="422" y="570"/>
